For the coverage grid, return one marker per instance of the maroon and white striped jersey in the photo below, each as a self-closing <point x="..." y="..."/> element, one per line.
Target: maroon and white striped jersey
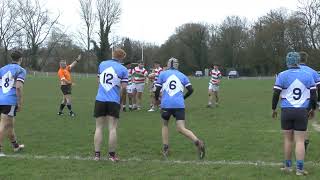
<point x="139" y="75"/>
<point x="215" y="76"/>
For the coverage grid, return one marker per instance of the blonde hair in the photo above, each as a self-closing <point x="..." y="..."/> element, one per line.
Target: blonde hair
<point x="119" y="54"/>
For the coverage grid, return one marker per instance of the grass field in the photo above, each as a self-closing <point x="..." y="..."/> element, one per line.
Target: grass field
<point x="242" y="140"/>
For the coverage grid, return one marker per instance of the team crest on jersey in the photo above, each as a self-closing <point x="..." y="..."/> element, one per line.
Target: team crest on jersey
<point x="7" y="82"/>
<point x="173" y="85"/>
<point x="296" y="94"/>
<point x="109" y="79"/>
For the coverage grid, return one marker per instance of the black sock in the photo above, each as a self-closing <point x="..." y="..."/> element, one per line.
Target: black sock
<point x="15" y="144"/>
<point x="69" y="107"/>
<point x="62" y="107"/>
<point x="97" y="153"/>
<point x="112" y="154"/>
<point x="165" y="147"/>
<point x="197" y="142"/>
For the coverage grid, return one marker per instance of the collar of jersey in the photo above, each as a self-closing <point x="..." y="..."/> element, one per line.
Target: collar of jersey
<point x="115" y="60"/>
<point x="294" y="67"/>
<point x="302" y="64"/>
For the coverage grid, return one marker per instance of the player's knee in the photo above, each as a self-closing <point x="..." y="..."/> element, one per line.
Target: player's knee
<point x="180" y="129"/>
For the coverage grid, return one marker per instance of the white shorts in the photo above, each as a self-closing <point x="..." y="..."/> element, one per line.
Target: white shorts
<point x="213" y="87"/>
<point x="139" y="87"/>
<point x="153" y="88"/>
<point x="130" y="88"/>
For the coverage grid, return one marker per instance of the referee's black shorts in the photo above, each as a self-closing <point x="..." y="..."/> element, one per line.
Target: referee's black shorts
<point x="106" y="109"/>
<point x="66" y="89"/>
<point x="294" y="119"/>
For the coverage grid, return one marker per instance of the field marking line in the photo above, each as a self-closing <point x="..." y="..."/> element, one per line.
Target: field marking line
<point x="136" y="159"/>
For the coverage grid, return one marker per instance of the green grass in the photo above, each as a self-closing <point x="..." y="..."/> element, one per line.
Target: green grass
<point x="240" y="129"/>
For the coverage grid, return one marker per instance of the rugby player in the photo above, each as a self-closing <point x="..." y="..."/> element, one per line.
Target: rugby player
<point x="113" y="78"/>
<point x="129" y="91"/>
<point x="173" y="83"/>
<point x="298" y="102"/>
<point x="316" y="78"/>
<point x="11" y="99"/>
<point x="64" y="74"/>
<point x="214" y="85"/>
<point x="154" y="76"/>
<point x="139" y="75"/>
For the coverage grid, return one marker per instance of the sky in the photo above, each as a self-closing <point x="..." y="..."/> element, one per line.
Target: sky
<point x="154" y="21"/>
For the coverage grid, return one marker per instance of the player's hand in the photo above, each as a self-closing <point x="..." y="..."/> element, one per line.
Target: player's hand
<point x="19" y="108"/>
<point x="79" y="57"/>
<point x="274" y="114"/>
<point x="311" y="114"/>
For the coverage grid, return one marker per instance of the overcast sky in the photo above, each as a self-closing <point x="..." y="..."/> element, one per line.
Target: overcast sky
<point x="155" y="20"/>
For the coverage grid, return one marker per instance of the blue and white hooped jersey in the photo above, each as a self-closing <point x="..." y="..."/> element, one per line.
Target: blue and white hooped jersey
<point x="315" y="75"/>
<point x="111" y="74"/>
<point x="173" y="83"/>
<point x="9" y="75"/>
<point x="295" y="85"/>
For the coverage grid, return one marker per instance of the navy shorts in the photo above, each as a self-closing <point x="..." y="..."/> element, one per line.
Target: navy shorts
<point x="178" y="113"/>
<point x="294" y="119"/>
<point x="106" y="109"/>
<point x="8" y="110"/>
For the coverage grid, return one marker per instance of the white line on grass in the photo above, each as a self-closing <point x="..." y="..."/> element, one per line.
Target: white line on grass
<point x="135" y="159"/>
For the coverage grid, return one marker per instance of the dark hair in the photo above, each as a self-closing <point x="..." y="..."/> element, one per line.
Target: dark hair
<point x="303" y="57"/>
<point x="126" y="63"/>
<point x="16" y="55"/>
<point x="156" y="62"/>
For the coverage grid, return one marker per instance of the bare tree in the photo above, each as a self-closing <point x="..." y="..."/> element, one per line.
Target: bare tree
<point x="87" y="15"/>
<point x="37" y="25"/>
<point x="310" y="12"/>
<point x="8" y="25"/>
<point x="108" y="14"/>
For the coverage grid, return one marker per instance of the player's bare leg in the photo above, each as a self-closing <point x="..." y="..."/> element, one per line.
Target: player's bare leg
<point x="113" y="124"/>
<point x="210" y="97"/>
<point x="7" y="127"/>
<point x="139" y="100"/>
<point x="306" y="141"/>
<point x="123" y="101"/>
<point x="134" y="99"/>
<point x="287" y="148"/>
<point x="152" y="103"/>
<point x="299" y="137"/>
<point x="190" y="135"/>
<point x="216" y="97"/>
<point x="2" y="134"/>
<point x="165" y="137"/>
<point x="98" y="135"/>
<point x="130" y="98"/>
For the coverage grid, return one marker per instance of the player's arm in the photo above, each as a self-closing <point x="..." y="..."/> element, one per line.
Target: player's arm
<point x="275" y="98"/>
<point x="318" y="89"/>
<point x="124" y="82"/>
<point x="65" y="80"/>
<point x="189" y="91"/>
<point x="19" y="93"/>
<point x="75" y="61"/>
<point x="313" y="98"/>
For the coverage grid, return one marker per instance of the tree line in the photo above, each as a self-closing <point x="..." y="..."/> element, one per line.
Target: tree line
<point x="253" y="48"/>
